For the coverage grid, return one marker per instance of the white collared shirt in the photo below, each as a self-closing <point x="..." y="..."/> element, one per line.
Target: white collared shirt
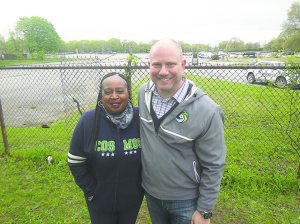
<point x="161" y="106"/>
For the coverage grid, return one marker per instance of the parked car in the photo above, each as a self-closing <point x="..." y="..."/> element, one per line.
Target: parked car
<point x="250" y="54"/>
<point x="267" y="72"/>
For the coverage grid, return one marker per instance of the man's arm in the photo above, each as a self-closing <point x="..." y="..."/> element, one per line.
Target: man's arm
<point x="211" y="151"/>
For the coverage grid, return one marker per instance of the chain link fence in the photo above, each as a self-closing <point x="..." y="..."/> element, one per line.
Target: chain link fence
<point x="42" y="104"/>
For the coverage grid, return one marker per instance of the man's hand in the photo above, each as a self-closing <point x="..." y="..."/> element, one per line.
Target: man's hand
<point x="198" y="219"/>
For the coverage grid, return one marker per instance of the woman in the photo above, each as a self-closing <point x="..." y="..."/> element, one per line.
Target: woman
<point x="104" y="155"/>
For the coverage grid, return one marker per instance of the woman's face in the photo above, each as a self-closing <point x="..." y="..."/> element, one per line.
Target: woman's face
<point x="115" y="94"/>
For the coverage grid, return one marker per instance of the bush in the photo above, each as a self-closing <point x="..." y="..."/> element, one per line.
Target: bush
<point x="215" y="57"/>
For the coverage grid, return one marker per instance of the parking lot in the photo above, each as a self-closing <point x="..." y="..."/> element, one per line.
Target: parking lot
<point x="33" y="97"/>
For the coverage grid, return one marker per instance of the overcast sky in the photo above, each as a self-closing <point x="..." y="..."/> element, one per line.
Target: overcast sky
<point x="191" y="21"/>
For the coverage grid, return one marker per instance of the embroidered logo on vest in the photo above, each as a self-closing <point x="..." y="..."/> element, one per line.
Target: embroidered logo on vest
<point x="182" y="117"/>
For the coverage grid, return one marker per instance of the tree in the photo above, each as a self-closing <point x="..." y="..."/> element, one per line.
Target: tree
<point x="145" y="47"/>
<point x="275" y="44"/>
<point x="37" y="35"/>
<point x="14" y="44"/>
<point x="185" y="47"/>
<point x="255" y="46"/>
<point x="288" y="39"/>
<point x="292" y="44"/>
<point x="222" y="45"/>
<point x="114" y="44"/>
<point x="234" y="44"/>
<point x="2" y="45"/>
<point x="201" y="47"/>
<point x="292" y="25"/>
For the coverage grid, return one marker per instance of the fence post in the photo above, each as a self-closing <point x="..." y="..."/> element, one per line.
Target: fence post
<point x="128" y="72"/>
<point x="3" y="130"/>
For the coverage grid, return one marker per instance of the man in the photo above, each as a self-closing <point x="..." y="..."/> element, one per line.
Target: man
<point x="182" y="137"/>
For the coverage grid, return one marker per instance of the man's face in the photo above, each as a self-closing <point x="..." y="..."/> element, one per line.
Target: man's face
<point x="166" y="69"/>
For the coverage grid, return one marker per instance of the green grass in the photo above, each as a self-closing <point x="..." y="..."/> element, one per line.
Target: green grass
<point x="35" y="192"/>
<point x="25" y="62"/>
<point x="259" y="184"/>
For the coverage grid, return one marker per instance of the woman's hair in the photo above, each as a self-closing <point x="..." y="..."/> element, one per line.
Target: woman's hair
<point x="96" y="125"/>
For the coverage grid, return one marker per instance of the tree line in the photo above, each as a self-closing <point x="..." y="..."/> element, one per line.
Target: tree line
<point x="36" y="36"/>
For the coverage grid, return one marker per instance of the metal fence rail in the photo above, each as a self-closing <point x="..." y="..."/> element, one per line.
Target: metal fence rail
<point x="262" y="122"/>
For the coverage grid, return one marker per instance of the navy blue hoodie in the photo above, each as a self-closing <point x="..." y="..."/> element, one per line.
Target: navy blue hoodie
<point x="111" y="170"/>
